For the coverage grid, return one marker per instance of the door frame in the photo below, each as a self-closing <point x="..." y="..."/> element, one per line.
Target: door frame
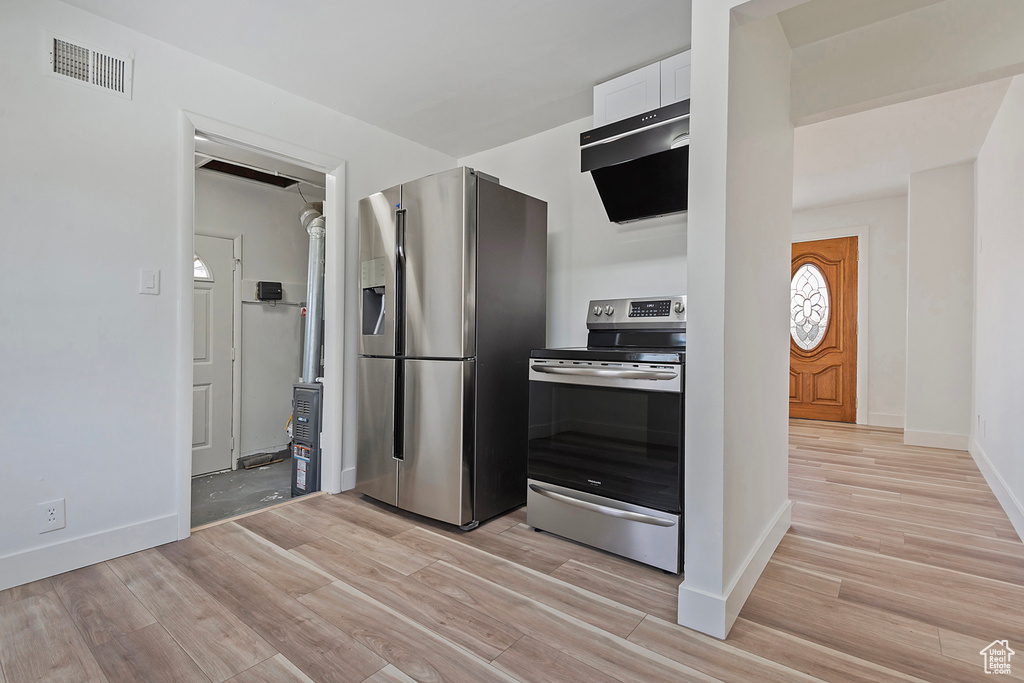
<point x="334" y="298"/>
<point x="236" y="352"/>
<point x="861" y="232"/>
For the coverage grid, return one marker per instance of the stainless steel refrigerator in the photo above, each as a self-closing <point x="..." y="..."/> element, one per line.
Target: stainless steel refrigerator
<point x="452" y="299"/>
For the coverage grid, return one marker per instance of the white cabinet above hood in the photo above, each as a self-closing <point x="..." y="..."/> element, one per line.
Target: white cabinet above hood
<point x="650" y="87"/>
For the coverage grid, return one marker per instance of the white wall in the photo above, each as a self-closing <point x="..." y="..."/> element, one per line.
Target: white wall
<point x="274" y="248"/>
<point x="941" y="47"/>
<point x="271" y="354"/>
<point x="589" y="257"/>
<point x="90" y="188"/>
<point x="940" y="275"/>
<point x="998" y="443"/>
<point x="886" y="331"/>
<point x="738" y="253"/>
<point x="758" y="255"/>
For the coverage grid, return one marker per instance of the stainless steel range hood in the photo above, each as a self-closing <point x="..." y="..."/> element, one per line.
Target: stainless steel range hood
<point x="640" y="164"/>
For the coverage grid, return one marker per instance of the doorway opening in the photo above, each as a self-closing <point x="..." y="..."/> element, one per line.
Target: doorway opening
<point x="251" y="261"/>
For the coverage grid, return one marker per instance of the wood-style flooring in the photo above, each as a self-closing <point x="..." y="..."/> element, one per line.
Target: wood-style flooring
<point x="900" y="566"/>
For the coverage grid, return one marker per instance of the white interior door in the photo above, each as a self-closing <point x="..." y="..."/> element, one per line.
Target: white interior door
<point x="211" y="355"/>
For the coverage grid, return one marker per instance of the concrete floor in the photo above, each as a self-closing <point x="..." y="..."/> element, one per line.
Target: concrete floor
<point x="227" y="494"/>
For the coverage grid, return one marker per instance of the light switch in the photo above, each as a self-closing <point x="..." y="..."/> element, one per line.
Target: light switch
<point x="149" y="281"/>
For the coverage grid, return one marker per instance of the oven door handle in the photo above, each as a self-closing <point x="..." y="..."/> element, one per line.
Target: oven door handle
<point x="599" y="372"/>
<point x="601" y="509"/>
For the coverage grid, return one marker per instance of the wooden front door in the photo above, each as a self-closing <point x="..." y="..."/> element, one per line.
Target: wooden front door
<point x="823" y="330"/>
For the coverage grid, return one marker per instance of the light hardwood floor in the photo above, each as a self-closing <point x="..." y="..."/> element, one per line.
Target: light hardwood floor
<point x="900" y="565"/>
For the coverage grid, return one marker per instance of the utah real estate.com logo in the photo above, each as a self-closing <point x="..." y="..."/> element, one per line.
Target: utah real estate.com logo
<point x="997" y="657"/>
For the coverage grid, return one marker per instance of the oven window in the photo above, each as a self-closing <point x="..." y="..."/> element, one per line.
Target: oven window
<point x="618" y="443"/>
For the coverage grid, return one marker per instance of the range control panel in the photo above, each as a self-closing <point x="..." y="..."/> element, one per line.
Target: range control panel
<point x="650" y="309"/>
<point x="664" y="312"/>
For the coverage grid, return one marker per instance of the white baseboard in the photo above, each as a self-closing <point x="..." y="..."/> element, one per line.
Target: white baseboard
<point x="1013" y="507"/>
<point x="348" y="479"/>
<point x="715" y="614"/>
<point x="40" y="563"/>
<point x="885" y="420"/>
<point x="935" y="440"/>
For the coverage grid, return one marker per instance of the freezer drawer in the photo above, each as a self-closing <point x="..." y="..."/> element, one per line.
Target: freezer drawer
<point x="376" y="468"/>
<point x="643" y="534"/>
<point x="436" y="469"/>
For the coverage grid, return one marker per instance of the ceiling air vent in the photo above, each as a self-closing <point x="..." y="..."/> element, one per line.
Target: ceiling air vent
<point x="91" y="67"/>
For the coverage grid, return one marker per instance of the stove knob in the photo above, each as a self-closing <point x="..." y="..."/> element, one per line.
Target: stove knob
<point x="597" y="310"/>
<point x="679" y="307"/>
<point x="608" y="310"/>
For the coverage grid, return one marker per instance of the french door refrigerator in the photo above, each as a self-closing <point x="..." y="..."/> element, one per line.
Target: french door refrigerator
<point x="451" y="302"/>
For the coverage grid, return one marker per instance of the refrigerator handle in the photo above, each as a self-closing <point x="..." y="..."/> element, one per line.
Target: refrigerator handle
<point x="400" y="234"/>
<point x="399" y="412"/>
<point x="399" y="440"/>
<point x="400" y="282"/>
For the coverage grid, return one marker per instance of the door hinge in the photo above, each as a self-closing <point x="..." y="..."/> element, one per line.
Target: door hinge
<point x="232" y="353"/>
<point x="232" y="443"/>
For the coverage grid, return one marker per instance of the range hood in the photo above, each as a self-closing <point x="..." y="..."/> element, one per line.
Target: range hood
<point x="640" y="164"/>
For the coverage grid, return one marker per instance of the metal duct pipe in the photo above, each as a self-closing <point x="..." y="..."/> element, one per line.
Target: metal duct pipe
<point x="312" y="220"/>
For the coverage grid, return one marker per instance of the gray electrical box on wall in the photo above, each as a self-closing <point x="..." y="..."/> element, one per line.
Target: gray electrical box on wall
<point x="306" y="399"/>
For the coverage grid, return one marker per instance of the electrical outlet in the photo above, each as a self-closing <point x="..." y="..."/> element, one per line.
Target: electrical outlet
<point x="50" y="516"/>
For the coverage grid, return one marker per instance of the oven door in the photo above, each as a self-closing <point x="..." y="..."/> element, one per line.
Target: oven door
<point x="611" y="429"/>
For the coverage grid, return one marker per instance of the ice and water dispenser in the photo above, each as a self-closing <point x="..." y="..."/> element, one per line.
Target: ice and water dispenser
<point x="372" y="280"/>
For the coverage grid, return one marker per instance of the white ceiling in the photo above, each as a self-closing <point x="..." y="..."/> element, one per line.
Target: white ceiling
<point x="870" y="155"/>
<point x="462" y="76"/>
<point x="459" y="76"/>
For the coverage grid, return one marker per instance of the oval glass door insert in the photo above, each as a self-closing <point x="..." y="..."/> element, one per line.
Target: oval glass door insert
<point x="809" y="307"/>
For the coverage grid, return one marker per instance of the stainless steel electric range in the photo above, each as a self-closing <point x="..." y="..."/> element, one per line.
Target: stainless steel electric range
<point x="605" y="464"/>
